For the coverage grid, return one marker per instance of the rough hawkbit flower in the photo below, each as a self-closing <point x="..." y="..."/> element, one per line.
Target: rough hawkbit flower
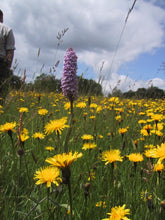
<point x="48" y="175"/>
<point x="111" y="156"/>
<point x="135" y="157"/>
<point x="118" y="213"/>
<point x="8" y="126"/>
<point x="69" y="82"/>
<point x="63" y="162"/>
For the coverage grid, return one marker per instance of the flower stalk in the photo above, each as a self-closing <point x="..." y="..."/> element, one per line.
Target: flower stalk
<point x="70" y="199"/>
<point x="11" y="138"/>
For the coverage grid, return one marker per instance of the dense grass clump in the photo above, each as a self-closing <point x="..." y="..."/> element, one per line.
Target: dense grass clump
<point x="104" y="155"/>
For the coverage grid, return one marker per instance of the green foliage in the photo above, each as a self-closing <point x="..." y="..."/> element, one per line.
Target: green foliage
<point x="89" y="87"/>
<point x="15" y="82"/>
<point x="47" y="83"/>
<point x="151" y="92"/>
<point x="7" y="84"/>
<point x="116" y="93"/>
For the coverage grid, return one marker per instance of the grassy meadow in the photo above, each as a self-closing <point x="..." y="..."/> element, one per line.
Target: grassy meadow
<point x="97" y="180"/>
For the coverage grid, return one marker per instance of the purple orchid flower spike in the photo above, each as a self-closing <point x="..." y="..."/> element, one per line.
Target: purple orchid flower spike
<point x="69" y="82"/>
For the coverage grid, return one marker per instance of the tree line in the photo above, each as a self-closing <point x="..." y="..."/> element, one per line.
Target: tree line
<point x="141" y="93"/>
<point x="49" y="83"/>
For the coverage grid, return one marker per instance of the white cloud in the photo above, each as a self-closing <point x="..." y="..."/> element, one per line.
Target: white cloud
<point x="124" y="83"/>
<point x="94" y="31"/>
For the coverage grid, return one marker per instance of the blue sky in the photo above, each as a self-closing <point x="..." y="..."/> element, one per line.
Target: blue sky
<point x="146" y="66"/>
<point x="94" y="30"/>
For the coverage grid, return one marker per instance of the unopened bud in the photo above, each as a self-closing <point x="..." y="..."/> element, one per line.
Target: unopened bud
<point x="20" y="152"/>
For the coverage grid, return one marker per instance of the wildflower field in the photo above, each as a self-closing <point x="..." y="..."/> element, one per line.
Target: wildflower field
<point x="97" y="158"/>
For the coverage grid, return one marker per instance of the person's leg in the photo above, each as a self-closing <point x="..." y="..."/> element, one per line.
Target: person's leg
<point x="4" y="76"/>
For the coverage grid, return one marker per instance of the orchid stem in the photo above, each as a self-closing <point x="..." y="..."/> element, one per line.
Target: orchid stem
<point x="70" y="127"/>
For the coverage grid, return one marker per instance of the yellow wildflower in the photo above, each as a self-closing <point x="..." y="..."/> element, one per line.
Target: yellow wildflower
<point x="101" y="204"/>
<point x="118" y="213"/>
<point x="99" y="108"/>
<point x="160" y="152"/>
<point x="118" y="118"/>
<point x="87" y="146"/>
<point x="67" y="105"/>
<point x="158" y="127"/>
<point x="38" y="135"/>
<point x="150" y="146"/>
<point x="135" y="157"/>
<point x="150" y="153"/>
<point x="142" y="121"/>
<point x="42" y="111"/>
<point x="156" y="132"/>
<point x="23" y="109"/>
<point x="64" y="160"/>
<point x="141" y="113"/>
<point x="93" y="105"/>
<point x="48" y="175"/>
<point x="158" y="166"/>
<point x="123" y="130"/>
<point x="92" y="117"/>
<point x="49" y="148"/>
<point x="87" y="137"/>
<point x="56" y="125"/>
<point x="157" y="117"/>
<point x="23" y="137"/>
<point x="81" y="105"/>
<point x="111" y="156"/>
<point x="8" y="126"/>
